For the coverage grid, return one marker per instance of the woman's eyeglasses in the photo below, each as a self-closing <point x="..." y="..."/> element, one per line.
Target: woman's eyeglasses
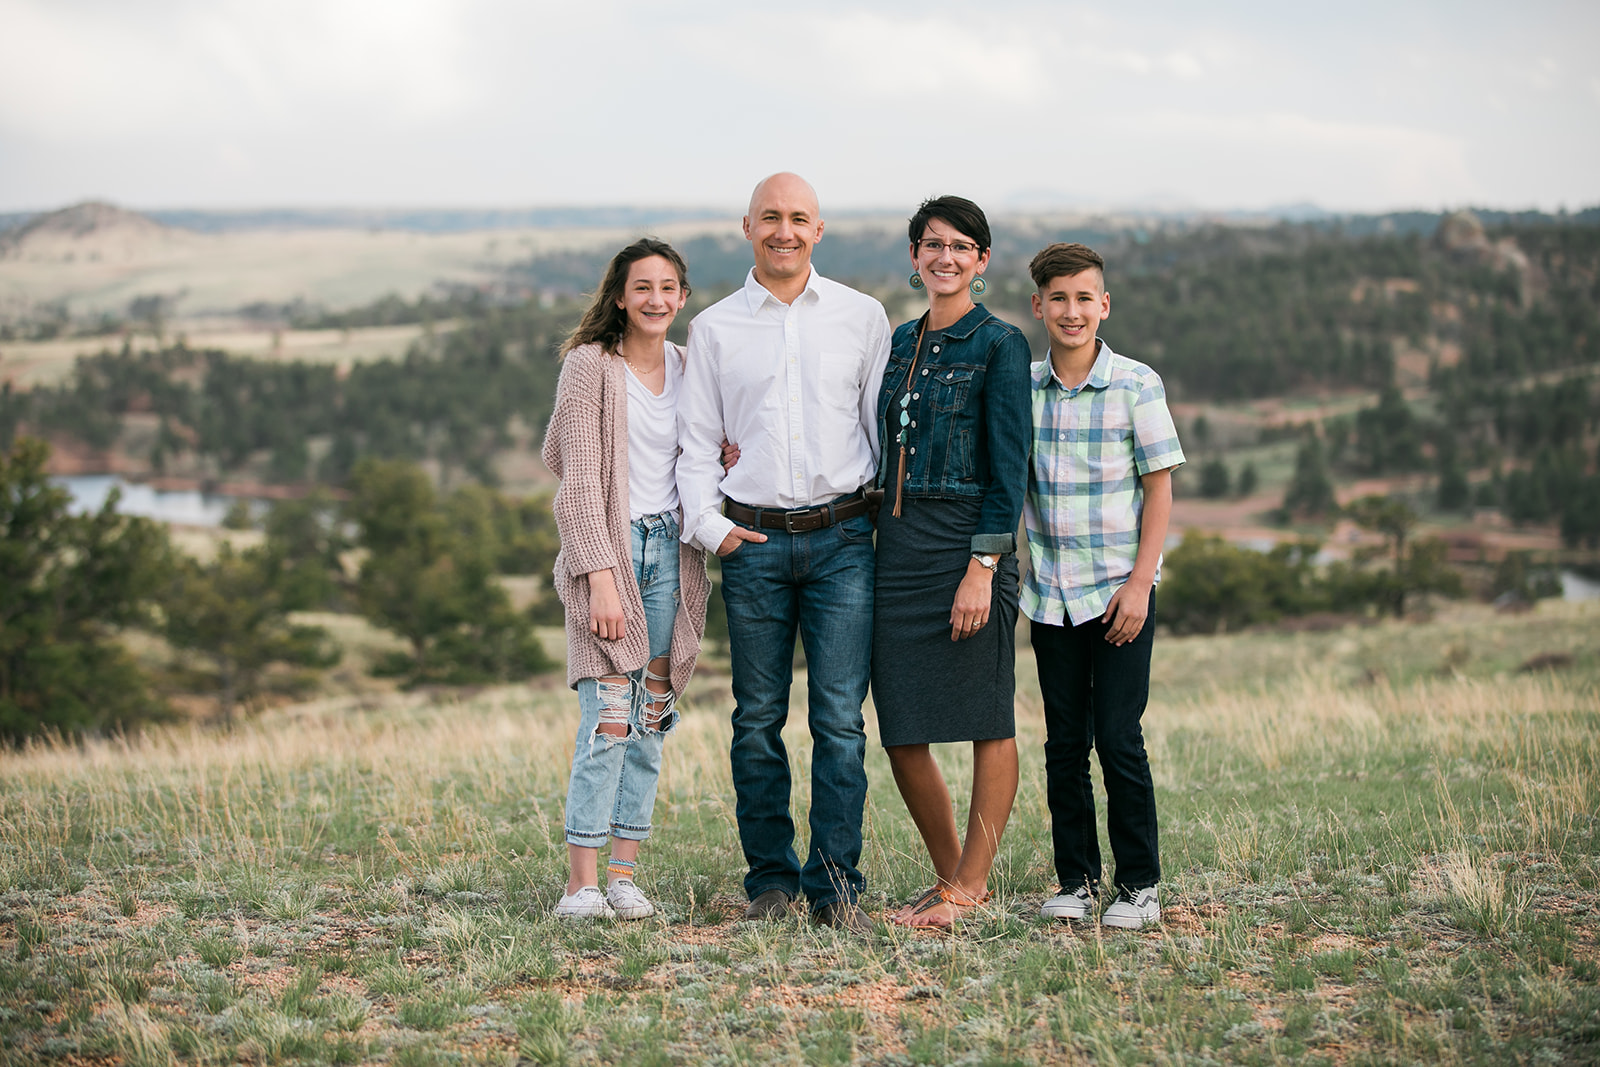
<point x="934" y="247"/>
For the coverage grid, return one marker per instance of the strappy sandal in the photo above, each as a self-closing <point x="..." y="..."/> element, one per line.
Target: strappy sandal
<point x="922" y="902"/>
<point x="941" y="895"/>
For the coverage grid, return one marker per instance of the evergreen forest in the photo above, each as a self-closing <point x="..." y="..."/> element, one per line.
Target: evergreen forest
<point x="1458" y="352"/>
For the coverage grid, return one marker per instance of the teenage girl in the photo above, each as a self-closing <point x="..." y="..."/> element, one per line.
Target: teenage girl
<point x="635" y="596"/>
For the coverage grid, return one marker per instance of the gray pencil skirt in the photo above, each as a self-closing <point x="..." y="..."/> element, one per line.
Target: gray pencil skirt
<point x="927" y="688"/>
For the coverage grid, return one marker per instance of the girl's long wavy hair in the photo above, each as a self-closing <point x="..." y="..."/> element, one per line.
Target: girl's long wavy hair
<point x="605" y="323"/>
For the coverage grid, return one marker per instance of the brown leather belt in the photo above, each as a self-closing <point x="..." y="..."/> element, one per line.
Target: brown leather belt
<point x="800" y="520"/>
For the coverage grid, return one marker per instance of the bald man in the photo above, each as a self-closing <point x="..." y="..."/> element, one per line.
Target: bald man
<point x="788" y="368"/>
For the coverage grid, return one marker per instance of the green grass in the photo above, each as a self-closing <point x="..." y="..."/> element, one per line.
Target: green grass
<point x="1376" y="850"/>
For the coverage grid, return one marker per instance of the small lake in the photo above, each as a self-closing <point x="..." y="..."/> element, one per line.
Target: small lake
<point x="1577" y="587"/>
<point x="188" y="507"/>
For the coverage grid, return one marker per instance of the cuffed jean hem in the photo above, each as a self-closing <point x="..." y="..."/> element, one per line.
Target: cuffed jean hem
<point x="587" y="839"/>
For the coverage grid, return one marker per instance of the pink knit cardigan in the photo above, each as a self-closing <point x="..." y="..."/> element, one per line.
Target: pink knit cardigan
<point x="586" y="446"/>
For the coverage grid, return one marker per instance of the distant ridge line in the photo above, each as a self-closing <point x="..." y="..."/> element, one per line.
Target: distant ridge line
<point x="459" y="220"/>
<point x="430" y="220"/>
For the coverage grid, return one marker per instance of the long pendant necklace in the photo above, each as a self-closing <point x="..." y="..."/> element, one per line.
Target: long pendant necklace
<point x="905" y="417"/>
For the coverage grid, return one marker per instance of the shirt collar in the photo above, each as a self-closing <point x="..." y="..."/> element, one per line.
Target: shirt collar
<point x="967" y="324"/>
<point x="1099" y="374"/>
<point x="757" y="295"/>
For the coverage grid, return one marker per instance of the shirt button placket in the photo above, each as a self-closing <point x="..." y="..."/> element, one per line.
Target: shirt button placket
<point x="791" y="351"/>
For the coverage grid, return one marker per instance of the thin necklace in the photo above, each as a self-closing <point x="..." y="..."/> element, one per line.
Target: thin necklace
<point x="635" y="367"/>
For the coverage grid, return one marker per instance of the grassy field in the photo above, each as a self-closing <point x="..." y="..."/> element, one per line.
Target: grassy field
<point x="217" y="273"/>
<point x="32" y="364"/>
<point x="1381" y="845"/>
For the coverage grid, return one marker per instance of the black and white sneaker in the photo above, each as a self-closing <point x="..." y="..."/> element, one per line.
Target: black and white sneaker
<point x="1134" y="909"/>
<point x="1069" y="907"/>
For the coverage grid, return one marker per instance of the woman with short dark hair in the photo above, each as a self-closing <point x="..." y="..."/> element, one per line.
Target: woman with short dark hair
<point x="953" y="424"/>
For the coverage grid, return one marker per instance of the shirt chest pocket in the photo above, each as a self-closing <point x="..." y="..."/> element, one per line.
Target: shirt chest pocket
<point x="949" y="387"/>
<point x="1109" y="433"/>
<point x="839" y="379"/>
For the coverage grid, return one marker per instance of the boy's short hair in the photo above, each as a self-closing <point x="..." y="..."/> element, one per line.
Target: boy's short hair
<point x="1065" y="259"/>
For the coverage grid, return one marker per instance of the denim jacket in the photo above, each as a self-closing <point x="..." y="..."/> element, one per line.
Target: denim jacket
<point x="970" y="420"/>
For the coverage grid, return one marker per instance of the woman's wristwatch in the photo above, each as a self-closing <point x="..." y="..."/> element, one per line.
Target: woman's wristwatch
<point x="986" y="561"/>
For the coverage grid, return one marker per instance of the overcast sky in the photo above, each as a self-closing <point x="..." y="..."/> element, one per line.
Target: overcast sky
<point x="1357" y="106"/>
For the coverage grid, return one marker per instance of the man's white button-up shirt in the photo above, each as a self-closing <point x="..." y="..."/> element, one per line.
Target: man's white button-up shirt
<point x="795" y="386"/>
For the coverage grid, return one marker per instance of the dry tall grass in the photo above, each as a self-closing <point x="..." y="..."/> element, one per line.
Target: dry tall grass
<point x="268" y="787"/>
<point x="371" y="876"/>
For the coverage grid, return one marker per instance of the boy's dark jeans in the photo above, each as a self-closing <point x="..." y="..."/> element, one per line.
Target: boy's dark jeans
<point x="1094" y="695"/>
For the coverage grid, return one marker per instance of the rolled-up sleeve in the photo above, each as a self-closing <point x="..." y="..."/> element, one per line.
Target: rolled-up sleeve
<point x="1008" y="424"/>
<point x="1155" y="437"/>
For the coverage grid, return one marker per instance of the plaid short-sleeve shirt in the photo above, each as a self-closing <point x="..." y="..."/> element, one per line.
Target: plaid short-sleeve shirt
<point x="1090" y="445"/>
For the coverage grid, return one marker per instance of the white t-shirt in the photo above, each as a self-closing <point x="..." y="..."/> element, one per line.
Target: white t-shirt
<point x="653" y="440"/>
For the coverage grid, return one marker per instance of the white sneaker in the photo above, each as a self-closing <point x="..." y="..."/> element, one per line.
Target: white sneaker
<point x="1133" y="909"/>
<point x="1074" y="906"/>
<point x="587" y="903"/>
<point x="629" y="903"/>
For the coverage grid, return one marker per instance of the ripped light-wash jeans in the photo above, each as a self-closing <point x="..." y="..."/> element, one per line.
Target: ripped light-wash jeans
<point x="612" y="791"/>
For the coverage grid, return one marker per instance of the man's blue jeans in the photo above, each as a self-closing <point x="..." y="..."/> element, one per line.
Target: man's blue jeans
<point x="1094" y="696"/>
<point x="819" y="584"/>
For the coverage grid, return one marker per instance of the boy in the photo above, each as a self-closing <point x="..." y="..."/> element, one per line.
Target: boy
<point x="1099" y="496"/>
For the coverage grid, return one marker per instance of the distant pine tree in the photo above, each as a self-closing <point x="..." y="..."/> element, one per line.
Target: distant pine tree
<point x="1310" y="492"/>
<point x="1214" y="479"/>
<point x="67" y="583"/>
<point x="1248" y="479"/>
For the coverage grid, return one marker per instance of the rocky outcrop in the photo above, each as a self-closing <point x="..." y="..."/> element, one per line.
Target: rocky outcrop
<point x="1461" y="234"/>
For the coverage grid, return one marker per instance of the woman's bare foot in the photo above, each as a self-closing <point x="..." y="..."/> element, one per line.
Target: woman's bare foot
<point x="938" y="909"/>
<point x="921" y="900"/>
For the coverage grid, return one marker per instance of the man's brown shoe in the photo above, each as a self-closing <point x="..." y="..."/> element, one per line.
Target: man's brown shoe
<point x="843" y="915"/>
<point x="773" y="904"/>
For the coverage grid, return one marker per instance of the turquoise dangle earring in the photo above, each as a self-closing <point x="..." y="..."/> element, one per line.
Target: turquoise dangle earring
<point x="977" y="287"/>
<point x="915" y="280"/>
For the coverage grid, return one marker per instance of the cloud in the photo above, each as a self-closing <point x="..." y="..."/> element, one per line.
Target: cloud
<point x="1176" y="64"/>
<point x="66" y="74"/>
<point x="1544" y="74"/>
<point x="858" y="53"/>
<point x="513" y="101"/>
<point x="1336" y="161"/>
<point x="404" y="59"/>
<point x="86" y="71"/>
<point x="933" y="58"/>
